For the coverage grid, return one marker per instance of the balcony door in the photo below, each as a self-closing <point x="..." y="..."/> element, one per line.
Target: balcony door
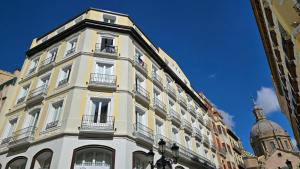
<point x="99" y="110"/>
<point x="107" y="45"/>
<point x="44" y="81"/>
<point x="103" y="73"/>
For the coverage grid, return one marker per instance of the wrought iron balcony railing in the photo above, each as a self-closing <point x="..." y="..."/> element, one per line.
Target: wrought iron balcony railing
<point x="105" y="48"/>
<point x="38" y="92"/>
<point x="51" y="125"/>
<point x="159" y="104"/>
<point x="186" y="124"/>
<point x="103" y="79"/>
<point x="23" y="136"/>
<point x="171" y="91"/>
<point x="174" y="115"/>
<point x="198" y="133"/>
<point x="143" y="133"/>
<point x="141" y="65"/>
<point x="97" y="123"/>
<point x="182" y="101"/>
<point x="206" y="140"/>
<point x="70" y="51"/>
<point x="21" y="99"/>
<point x="142" y="92"/>
<point x="32" y="70"/>
<point x="157" y="79"/>
<point x="47" y="61"/>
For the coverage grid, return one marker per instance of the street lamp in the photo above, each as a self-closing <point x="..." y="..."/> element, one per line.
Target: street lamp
<point x="163" y="162"/>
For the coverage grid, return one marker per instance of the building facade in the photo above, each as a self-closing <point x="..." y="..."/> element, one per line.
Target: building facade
<point x="271" y="144"/>
<point x="223" y="139"/>
<point x="278" y="22"/>
<point x="96" y="93"/>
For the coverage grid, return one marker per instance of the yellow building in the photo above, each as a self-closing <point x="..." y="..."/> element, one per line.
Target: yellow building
<point x="96" y="93"/>
<point x="278" y="22"/>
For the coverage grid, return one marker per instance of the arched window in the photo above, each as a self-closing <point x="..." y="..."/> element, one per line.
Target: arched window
<point x="140" y="160"/>
<point x="93" y="156"/>
<point x="17" y="163"/>
<point x="42" y="159"/>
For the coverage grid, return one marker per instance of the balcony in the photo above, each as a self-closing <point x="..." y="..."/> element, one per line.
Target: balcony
<point x="102" y="81"/>
<point x="47" y="64"/>
<point x="63" y="82"/>
<point x="22" y="138"/>
<point x="37" y="95"/>
<point x="207" y="124"/>
<point x="197" y="133"/>
<point x="160" y="107"/>
<point x="143" y="134"/>
<point x="157" y="80"/>
<point x="90" y="165"/>
<point x="171" y="91"/>
<point x="21" y="100"/>
<point x="175" y="117"/>
<point x="200" y="119"/>
<point x="223" y="152"/>
<point x="187" y="125"/>
<point x="192" y="110"/>
<point x="213" y="147"/>
<point x="185" y="153"/>
<point x="182" y="101"/>
<point x="237" y="149"/>
<point x="141" y="66"/>
<point x="142" y="94"/>
<point x="31" y="71"/>
<point x="206" y="141"/>
<point x="97" y="126"/>
<point x="106" y="50"/>
<point x="70" y="52"/>
<point x="51" y="125"/>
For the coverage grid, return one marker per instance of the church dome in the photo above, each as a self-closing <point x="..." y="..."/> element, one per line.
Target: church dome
<point x="266" y="127"/>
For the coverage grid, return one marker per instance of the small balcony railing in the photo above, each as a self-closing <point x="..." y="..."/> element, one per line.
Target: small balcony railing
<point x="47" y="62"/>
<point x="159" y="105"/>
<point x="182" y="101"/>
<point x="63" y="82"/>
<point x="222" y="151"/>
<point x="200" y="119"/>
<point x="51" y="125"/>
<point x="93" y="123"/>
<point x="104" y="48"/>
<point x="143" y="133"/>
<point x="23" y="136"/>
<point x="39" y="92"/>
<point x="103" y="80"/>
<point x="92" y="165"/>
<point x="192" y="110"/>
<point x="186" y="124"/>
<point x="21" y="99"/>
<point x="174" y="115"/>
<point x="32" y="70"/>
<point x="171" y="91"/>
<point x="198" y="133"/>
<point x="142" y="92"/>
<point x="213" y="147"/>
<point x="141" y="65"/>
<point x="206" y="140"/>
<point x="70" y="51"/>
<point x="5" y="140"/>
<point x="157" y="79"/>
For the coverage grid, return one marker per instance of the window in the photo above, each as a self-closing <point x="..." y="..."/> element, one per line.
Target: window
<point x="93" y="157"/>
<point x="99" y="110"/>
<point x="139" y="57"/>
<point x="107" y="45"/>
<point x="184" y="114"/>
<point x="141" y="116"/>
<point x="54" y="114"/>
<point x="32" y="118"/>
<point x="140" y="160"/>
<point x="172" y="105"/>
<point x="64" y="76"/>
<point x="23" y="94"/>
<point x="157" y="94"/>
<point x="109" y="19"/>
<point x="198" y="147"/>
<point x="175" y="134"/>
<point x="159" y="127"/>
<point x="17" y="163"/>
<point x="71" y="47"/>
<point x="50" y="56"/>
<point x="42" y="159"/>
<point x="272" y="144"/>
<point x="104" y="68"/>
<point x="44" y="81"/>
<point x="10" y="128"/>
<point x="33" y="65"/>
<point x="188" y="142"/>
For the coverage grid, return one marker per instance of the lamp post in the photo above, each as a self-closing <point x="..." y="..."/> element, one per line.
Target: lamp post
<point x="163" y="162"/>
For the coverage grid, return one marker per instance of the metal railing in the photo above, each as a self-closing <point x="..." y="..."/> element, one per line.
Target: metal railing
<point x="104" y="48"/>
<point x="206" y="140"/>
<point x="158" y="103"/>
<point x="171" y="90"/>
<point x="31" y="70"/>
<point x="51" y="125"/>
<point x="92" y="122"/>
<point x="23" y="135"/>
<point x="5" y="140"/>
<point x="21" y="100"/>
<point x="103" y="79"/>
<point x="47" y="61"/>
<point x="70" y="51"/>
<point x="157" y="78"/>
<point x="182" y="101"/>
<point x="63" y="82"/>
<point x="143" y="131"/>
<point x="212" y="146"/>
<point x="198" y="133"/>
<point x="192" y="109"/>
<point x="175" y="115"/>
<point x="141" y="64"/>
<point x="186" y="124"/>
<point x="223" y="151"/>
<point x="95" y="163"/>
<point x="40" y="91"/>
<point x="143" y="92"/>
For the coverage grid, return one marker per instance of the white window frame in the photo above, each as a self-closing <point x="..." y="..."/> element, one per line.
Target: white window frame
<point x="71" y="39"/>
<point x="51" y="111"/>
<point x="60" y="75"/>
<point x="104" y="16"/>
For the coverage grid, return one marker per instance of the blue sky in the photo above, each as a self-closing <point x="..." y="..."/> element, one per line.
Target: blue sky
<point x="216" y="43"/>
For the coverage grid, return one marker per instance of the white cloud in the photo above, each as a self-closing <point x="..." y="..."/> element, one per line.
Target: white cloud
<point x="228" y="119"/>
<point x="267" y="99"/>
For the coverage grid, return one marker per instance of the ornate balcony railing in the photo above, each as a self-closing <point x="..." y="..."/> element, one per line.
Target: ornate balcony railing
<point x="198" y="133"/>
<point x="200" y="119"/>
<point x="97" y="123"/>
<point x="39" y="92"/>
<point x="182" y="101"/>
<point x="21" y="99"/>
<point x="104" y="48"/>
<point x="143" y="133"/>
<point x="47" y="61"/>
<point x="103" y="79"/>
<point x="159" y="104"/>
<point x="32" y="70"/>
<point x="141" y="65"/>
<point x="186" y="124"/>
<point x="174" y="115"/>
<point x="70" y="51"/>
<point x="142" y="92"/>
<point x="192" y="110"/>
<point x="23" y="136"/>
<point x="92" y="165"/>
<point x="206" y="140"/>
<point x="157" y="79"/>
<point x="171" y="91"/>
<point x="51" y="125"/>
